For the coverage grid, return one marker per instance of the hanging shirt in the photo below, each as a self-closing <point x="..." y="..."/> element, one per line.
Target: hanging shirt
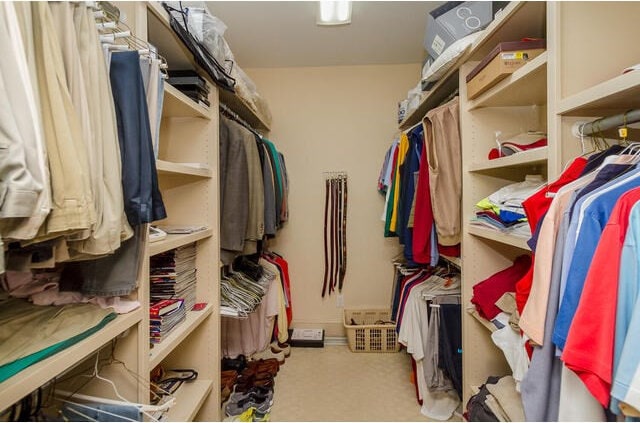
<point x="626" y="381"/>
<point x="403" y="148"/>
<point x="589" y="348"/>
<point x="599" y="206"/>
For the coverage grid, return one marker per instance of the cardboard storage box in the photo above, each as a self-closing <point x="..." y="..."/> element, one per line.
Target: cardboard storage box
<point x="455" y="20"/>
<point x="503" y="60"/>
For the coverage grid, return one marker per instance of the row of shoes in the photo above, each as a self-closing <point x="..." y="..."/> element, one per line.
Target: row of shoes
<point x="247" y="385"/>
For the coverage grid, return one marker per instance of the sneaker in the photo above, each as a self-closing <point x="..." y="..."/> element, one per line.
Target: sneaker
<point x="261" y="404"/>
<point x="256" y="391"/>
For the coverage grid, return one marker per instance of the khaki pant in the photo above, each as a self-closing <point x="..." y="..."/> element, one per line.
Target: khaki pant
<point x="24" y="192"/>
<point x="72" y="203"/>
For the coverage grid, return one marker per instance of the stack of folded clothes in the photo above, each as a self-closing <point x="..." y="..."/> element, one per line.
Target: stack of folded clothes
<point x="503" y="211"/>
<point x="191" y="84"/>
<point x="519" y="143"/>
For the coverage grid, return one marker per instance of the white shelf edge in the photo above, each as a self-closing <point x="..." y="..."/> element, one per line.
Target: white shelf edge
<point x="512" y="240"/>
<point x="176" y="240"/>
<point x="194" y="318"/>
<point x="526" y="71"/>
<point x="590" y="96"/>
<point x="189" y="399"/>
<point x="167" y="167"/>
<point x="195" y="110"/>
<point x="529" y="157"/>
<point x="31" y="378"/>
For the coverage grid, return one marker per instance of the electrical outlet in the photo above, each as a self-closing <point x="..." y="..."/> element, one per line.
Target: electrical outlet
<point x="340" y="300"/>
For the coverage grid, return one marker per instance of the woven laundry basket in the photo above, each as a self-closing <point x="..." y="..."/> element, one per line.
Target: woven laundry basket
<point x="373" y="332"/>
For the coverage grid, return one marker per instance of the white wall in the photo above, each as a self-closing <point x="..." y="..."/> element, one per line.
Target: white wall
<point x="330" y="119"/>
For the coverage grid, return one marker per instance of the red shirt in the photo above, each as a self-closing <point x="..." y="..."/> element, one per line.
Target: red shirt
<point x="589" y="347"/>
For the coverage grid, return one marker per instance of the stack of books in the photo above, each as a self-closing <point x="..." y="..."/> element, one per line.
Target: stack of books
<point x="191" y="84"/>
<point x="173" y="275"/>
<point x="164" y="316"/>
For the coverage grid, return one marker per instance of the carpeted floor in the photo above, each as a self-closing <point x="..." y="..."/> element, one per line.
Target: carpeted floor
<point x="334" y="384"/>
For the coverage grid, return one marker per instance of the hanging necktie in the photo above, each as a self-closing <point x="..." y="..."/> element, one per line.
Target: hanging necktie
<point x="326" y="221"/>
<point x="343" y="232"/>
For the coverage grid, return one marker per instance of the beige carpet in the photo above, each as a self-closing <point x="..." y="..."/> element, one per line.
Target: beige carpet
<point x="334" y="384"/>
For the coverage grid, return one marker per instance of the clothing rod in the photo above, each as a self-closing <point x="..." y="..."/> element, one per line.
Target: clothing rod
<point x="233" y="115"/>
<point x="589" y="128"/>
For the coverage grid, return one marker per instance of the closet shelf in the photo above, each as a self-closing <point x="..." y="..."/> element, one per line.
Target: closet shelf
<point x="194" y="318"/>
<point x="177" y="104"/>
<point x="525" y="87"/>
<point x="31" y="378"/>
<point x="610" y="97"/>
<point x="189" y="398"/>
<point x="457" y="261"/>
<point x="184" y="169"/>
<point x="522" y="159"/>
<point x="175" y="241"/>
<point x="519" y="19"/>
<point x="179" y="57"/>
<point x="512" y="240"/>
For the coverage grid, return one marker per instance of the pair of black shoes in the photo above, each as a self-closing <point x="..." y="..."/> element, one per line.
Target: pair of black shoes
<point x="238" y="364"/>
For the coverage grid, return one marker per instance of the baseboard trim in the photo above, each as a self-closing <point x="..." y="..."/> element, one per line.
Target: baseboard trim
<point x="335" y="340"/>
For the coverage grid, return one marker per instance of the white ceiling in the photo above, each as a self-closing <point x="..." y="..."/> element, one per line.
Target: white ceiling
<point x="285" y="34"/>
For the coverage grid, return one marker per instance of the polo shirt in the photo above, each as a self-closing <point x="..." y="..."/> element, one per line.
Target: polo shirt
<point x="626" y="380"/>
<point x="589" y="348"/>
<point x="599" y="206"/>
<point x="532" y="319"/>
<point x="536" y="205"/>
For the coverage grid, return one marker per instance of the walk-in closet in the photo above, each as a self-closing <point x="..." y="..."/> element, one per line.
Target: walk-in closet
<point x="319" y="211"/>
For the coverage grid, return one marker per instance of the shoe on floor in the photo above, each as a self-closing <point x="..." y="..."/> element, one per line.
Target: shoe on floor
<point x="269" y="352"/>
<point x="262" y="405"/>
<point x="256" y="391"/>
<point x="284" y="347"/>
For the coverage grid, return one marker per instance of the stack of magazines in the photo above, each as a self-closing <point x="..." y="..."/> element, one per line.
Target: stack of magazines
<point x="173" y="275"/>
<point x="164" y="316"/>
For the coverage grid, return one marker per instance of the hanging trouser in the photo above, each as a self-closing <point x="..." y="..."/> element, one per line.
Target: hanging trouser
<point x="450" y="344"/>
<point x="142" y="199"/>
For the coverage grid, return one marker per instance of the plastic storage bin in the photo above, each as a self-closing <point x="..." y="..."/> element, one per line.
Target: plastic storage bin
<point x="373" y="332"/>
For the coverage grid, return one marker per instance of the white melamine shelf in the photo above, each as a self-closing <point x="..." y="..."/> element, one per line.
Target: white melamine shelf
<point x="189" y="398"/>
<point x="185" y="169"/>
<point x="512" y="240"/>
<point x="177" y="104"/>
<point x="179" y="57"/>
<point x="524" y="87"/>
<point x="610" y="97"/>
<point x="176" y="240"/>
<point x="518" y="19"/>
<point x="31" y="378"/>
<point x="524" y="158"/>
<point x="194" y="318"/>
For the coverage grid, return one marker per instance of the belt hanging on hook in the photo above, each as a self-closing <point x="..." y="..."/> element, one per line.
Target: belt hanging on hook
<point x="335" y="230"/>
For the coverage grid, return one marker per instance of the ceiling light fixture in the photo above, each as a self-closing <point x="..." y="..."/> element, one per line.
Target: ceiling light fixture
<point x="334" y="12"/>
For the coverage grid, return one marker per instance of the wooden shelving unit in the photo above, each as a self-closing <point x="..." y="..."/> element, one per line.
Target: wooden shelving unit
<point x="183" y="169"/>
<point x="525" y="87"/>
<point x="524" y="158"/>
<point x="194" y="318"/>
<point x="512" y="240"/>
<point x="177" y="104"/>
<point x="613" y="96"/>
<point x="31" y="378"/>
<point x="177" y="240"/>
<point x="189" y="397"/>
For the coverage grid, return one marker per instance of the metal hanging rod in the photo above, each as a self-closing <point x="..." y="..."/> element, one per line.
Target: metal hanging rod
<point x="233" y="115"/>
<point x="589" y="128"/>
